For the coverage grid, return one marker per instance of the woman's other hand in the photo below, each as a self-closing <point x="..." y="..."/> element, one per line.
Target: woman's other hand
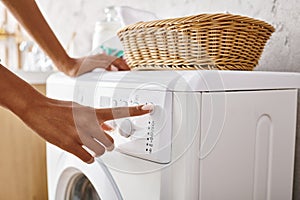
<point x="77" y="66"/>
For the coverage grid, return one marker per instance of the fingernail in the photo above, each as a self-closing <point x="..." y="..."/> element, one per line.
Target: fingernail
<point x="107" y="128"/>
<point x="90" y="161"/>
<point x="110" y="148"/>
<point x="149" y="107"/>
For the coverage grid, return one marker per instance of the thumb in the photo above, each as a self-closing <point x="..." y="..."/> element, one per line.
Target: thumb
<point x="81" y="153"/>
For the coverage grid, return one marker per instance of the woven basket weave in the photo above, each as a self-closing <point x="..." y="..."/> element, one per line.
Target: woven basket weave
<point x="205" y="41"/>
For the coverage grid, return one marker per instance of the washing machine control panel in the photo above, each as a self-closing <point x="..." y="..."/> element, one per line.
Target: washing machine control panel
<point x="148" y="136"/>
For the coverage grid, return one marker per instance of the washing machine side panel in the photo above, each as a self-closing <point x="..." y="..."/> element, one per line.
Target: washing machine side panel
<point x="139" y="186"/>
<point x="180" y="180"/>
<point x="247" y="145"/>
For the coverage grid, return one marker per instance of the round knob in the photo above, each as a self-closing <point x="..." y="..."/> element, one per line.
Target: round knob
<point x="125" y="128"/>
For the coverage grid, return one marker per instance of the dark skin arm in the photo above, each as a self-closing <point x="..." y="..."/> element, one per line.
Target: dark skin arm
<point x="65" y="124"/>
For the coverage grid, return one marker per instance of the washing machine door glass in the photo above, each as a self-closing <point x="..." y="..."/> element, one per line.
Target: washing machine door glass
<point x="80" y="181"/>
<point x="80" y="188"/>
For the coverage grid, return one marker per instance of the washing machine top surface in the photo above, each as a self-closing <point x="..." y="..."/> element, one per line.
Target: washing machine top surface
<point x="179" y="80"/>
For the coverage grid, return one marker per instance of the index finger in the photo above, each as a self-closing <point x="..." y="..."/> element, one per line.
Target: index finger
<point x="106" y="114"/>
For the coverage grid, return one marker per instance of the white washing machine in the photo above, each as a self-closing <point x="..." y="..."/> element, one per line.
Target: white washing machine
<point x="213" y="135"/>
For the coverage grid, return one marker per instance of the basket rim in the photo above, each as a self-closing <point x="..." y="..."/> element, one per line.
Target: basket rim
<point x="218" y="17"/>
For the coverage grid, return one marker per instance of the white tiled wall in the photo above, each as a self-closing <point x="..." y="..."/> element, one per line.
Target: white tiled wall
<point x="281" y="53"/>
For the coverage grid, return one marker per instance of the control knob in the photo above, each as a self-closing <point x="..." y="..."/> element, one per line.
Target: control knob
<point x="125" y="128"/>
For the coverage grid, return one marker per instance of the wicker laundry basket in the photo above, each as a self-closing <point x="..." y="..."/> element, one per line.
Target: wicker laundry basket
<point x="205" y="41"/>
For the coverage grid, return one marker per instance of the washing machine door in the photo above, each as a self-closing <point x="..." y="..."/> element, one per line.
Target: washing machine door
<point x="80" y="181"/>
<point x="80" y="187"/>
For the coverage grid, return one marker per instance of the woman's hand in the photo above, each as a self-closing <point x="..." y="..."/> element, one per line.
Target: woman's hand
<point x="77" y="66"/>
<point x="55" y="120"/>
<point x="65" y="124"/>
<point x="69" y="125"/>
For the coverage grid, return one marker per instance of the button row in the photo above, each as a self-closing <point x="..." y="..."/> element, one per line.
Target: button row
<point x="115" y="103"/>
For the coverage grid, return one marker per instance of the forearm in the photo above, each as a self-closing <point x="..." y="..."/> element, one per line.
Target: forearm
<point x="16" y="95"/>
<point x="29" y="15"/>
